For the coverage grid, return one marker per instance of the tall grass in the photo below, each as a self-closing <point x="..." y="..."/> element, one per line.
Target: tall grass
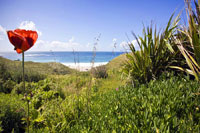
<point x="92" y="80"/>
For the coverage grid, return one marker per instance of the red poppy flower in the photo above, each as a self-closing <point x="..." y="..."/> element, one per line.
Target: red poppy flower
<point x="22" y="39"/>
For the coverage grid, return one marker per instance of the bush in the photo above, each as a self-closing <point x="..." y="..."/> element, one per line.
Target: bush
<point x="6" y="86"/>
<point x="19" y="88"/>
<point x="100" y="72"/>
<point x="29" y="76"/>
<point x="1" y="129"/>
<point x="15" y="74"/>
<point x="11" y="113"/>
<point x="187" y="40"/>
<point x="167" y="105"/>
<point x="4" y="74"/>
<point x="154" y="55"/>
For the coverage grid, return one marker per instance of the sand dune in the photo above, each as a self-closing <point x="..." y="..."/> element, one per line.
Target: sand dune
<point x="83" y="66"/>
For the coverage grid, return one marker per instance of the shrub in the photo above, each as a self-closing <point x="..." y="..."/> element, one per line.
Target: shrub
<point x="1" y="129"/>
<point x="169" y="104"/>
<point x="6" y="86"/>
<point x="4" y="74"/>
<point x="19" y="89"/>
<point x="30" y="76"/>
<point x="187" y="40"/>
<point x="100" y="72"/>
<point x="166" y="106"/>
<point x="11" y="113"/>
<point x="154" y="56"/>
<point x="8" y="79"/>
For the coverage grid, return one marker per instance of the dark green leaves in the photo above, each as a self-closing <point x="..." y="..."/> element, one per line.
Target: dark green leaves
<point x="154" y="55"/>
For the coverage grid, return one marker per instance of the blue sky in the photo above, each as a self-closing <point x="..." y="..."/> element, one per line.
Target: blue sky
<point x="64" y="25"/>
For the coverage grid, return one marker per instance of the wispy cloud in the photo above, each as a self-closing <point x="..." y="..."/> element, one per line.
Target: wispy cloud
<point x="2" y="32"/>
<point x="71" y="40"/>
<point x="42" y="45"/>
<point x="29" y="25"/>
<point x="114" y="39"/>
<point x="125" y="45"/>
<point x="134" y="42"/>
<point x="88" y="45"/>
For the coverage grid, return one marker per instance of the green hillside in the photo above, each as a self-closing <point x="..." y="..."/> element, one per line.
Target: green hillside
<point x="116" y="63"/>
<point x="42" y="68"/>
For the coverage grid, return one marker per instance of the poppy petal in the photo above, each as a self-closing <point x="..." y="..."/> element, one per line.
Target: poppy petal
<point x="31" y="36"/>
<point x="19" y="51"/>
<point x="22" y="39"/>
<point x="25" y="46"/>
<point x="16" y="39"/>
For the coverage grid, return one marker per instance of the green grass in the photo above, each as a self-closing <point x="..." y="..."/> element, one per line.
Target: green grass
<point x="116" y="63"/>
<point x="148" y="108"/>
<point x="61" y="103"/>
<point x="42" y="68"/>
<point x="68" y="80"/>
<point x="167" y="105"/>
<point x="12" y="111"/>
<point x="11" y="72"/>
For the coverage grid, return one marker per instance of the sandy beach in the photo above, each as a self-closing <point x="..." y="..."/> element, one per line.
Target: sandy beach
<point x="83" y="66"/>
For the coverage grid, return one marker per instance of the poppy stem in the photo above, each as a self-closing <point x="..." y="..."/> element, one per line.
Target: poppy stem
<point x="28" y="115"/>
<point x="23" y="78"/>
<point x="23" y="71"/>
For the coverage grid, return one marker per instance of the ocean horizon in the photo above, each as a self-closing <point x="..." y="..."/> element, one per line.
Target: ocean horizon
<point x="68" y="58"/>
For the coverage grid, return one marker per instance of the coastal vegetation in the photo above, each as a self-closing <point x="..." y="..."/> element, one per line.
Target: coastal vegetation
<point x="153" y="89"/>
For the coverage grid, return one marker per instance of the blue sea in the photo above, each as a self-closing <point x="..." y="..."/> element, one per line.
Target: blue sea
<point x="63" y="57"/>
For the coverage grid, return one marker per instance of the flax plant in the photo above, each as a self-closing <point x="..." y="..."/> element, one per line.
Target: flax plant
<point x="154" y="55"/>
<point x="189" y="42"/>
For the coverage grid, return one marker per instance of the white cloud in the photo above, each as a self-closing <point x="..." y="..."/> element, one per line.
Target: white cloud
<point x="125" y="45"/>
<point x="1" y="37"/>
<point x="42" y="45"/>
<point x="88" y="45"/>
<point x="29" y="25"/>
<point x="114" y="39"/>
<point x="72" y="39"/>
<point x="135" y="44"/>
<point x="2" y="32"/>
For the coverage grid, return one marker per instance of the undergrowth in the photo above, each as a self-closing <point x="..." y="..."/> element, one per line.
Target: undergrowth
<point x="166" y="105"/>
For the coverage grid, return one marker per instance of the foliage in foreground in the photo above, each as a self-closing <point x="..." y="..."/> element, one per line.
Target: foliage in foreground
<point x="12" y="111"/>
<point x="188" y="40"/>
<point x="166" y="105"/>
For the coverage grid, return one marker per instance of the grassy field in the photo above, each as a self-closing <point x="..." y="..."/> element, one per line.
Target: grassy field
<point x="42" y="68"/>
<point x="72" y="101"/>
